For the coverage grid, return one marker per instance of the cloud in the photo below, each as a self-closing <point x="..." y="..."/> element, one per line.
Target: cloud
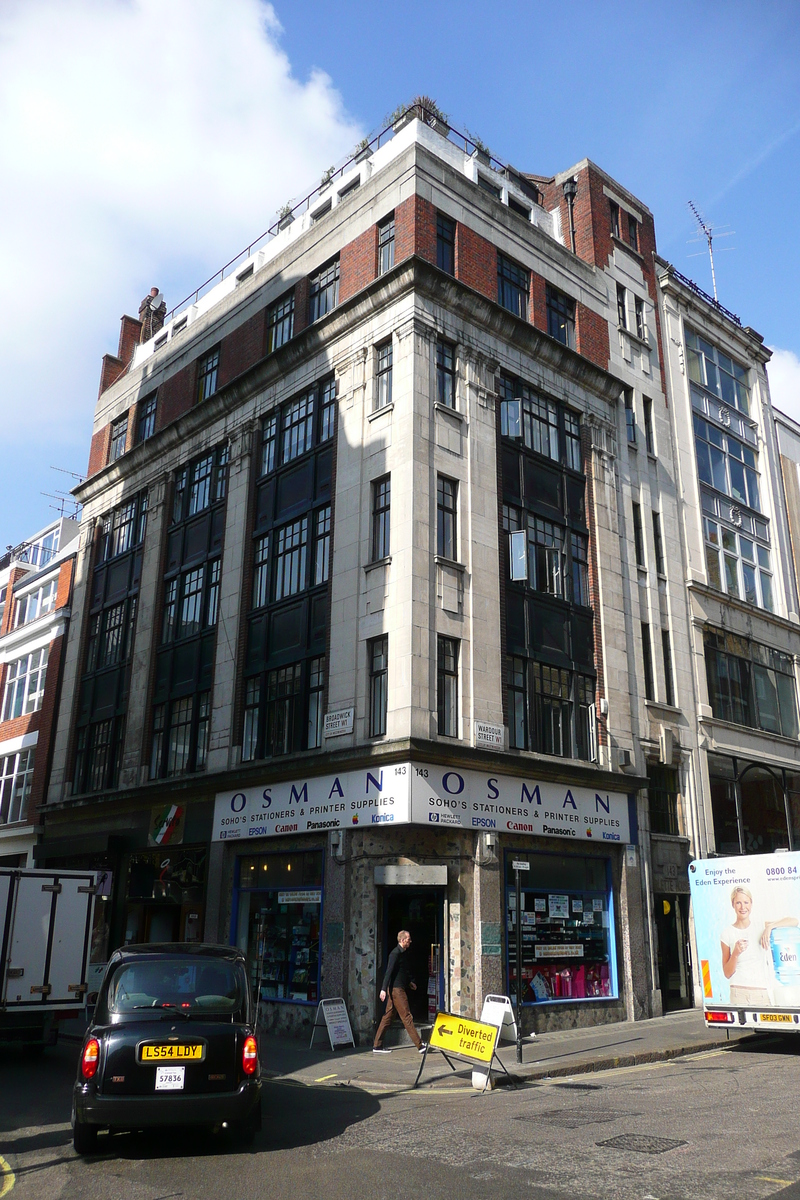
<point x="140" y="143"/>
<point x="783" y="370"/>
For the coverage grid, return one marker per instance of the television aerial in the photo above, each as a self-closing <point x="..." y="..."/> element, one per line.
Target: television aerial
<point x="709" y="233"/>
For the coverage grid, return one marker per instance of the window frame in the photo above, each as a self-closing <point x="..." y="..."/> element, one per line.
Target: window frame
<point x="513" y="286"/>
<point x="378" y="692"/>
<point x="384" y="359"/>
<point x="380" y="523"/>
<point x="146" y="420"/>
<point x="446" y="244"/>
<point x="280" y="321"/>
<point x="447" y="518"/>
<point x="560" y="310"/>
<point x="447" y="678"/>
<point x="323" y="293"/>
<point x="207" y="375"/>
<point x="386" y="244"/>
<point x="445" y="372"/>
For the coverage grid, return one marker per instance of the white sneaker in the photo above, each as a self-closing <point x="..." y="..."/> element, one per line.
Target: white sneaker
<point x="380" y="1050"/>
<point x="423" y="1046"/>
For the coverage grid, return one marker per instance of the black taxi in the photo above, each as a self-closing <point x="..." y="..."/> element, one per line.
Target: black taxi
<point x="172" y="1042"/>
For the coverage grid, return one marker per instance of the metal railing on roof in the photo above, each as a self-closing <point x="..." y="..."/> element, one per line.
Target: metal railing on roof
<point x="431" y="117"/>
<point x="698" y="291"/>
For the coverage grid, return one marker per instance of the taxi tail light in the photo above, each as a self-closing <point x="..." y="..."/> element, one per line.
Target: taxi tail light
<point x="89" y="1058"/>
<point x="722" y="1018"/>
<point x="250" y="1056"/>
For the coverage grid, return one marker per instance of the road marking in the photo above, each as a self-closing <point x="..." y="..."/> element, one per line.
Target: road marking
<point x="766" y="1178"/>
<point x="9" y="1178"/>
<point x="322" y="1078"/>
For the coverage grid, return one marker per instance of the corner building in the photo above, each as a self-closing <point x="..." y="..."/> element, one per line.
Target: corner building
<point x="360" y="515"/>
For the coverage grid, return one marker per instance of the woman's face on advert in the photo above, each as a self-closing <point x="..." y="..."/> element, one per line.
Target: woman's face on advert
<point x="742" y="905"/>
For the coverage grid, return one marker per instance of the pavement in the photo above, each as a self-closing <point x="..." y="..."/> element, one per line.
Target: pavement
<point x="548" y="1056"/>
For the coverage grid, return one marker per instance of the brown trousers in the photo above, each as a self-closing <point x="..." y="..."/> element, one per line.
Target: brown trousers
<point x="397" y="1002"/>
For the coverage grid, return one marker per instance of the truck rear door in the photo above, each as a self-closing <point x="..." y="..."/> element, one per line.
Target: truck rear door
<point x="69" y="943"/>
<point x="28" y="940"/>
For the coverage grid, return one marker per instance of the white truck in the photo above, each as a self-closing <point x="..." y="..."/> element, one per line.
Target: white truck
<point x="46" y="930"/>
<point x="747" y="929"/>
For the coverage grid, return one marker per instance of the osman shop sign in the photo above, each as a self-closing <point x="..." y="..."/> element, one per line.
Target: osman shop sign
<point x="406" y="793"/>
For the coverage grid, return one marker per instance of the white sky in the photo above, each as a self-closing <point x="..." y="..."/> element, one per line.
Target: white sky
<point x="141" y="142"/>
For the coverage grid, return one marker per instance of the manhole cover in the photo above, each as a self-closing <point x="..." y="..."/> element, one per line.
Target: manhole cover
<point x="642" y="1143"/>
<point x="568" y="1118"/>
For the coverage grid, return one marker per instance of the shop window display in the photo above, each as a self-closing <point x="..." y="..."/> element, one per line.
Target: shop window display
<point x="279" y="919"/>
<point x="567" y="916"/>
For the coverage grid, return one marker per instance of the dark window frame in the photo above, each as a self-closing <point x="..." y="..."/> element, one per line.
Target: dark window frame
<point x="513" y="286"/>
<point x="560" y="310"/>
<point x="380" y="523"/>
<point x="447" y="663"/>
<point x="378" y="669"/>
<point x="445" y="244"/>
<point x="207" y="375"/>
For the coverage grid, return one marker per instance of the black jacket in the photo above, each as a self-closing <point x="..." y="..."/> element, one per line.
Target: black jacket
<point x="398" y="973"/>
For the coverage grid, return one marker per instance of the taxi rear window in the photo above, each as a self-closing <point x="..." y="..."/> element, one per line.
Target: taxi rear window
<point x="190" y="986"/>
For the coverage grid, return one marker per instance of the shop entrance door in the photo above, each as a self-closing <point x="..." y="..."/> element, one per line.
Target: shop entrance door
<point x="421" y="912"/>
<point x="675" y="978"/>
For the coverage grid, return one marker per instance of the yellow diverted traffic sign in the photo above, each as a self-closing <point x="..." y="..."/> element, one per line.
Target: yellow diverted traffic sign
<point x="460" y="1036"/>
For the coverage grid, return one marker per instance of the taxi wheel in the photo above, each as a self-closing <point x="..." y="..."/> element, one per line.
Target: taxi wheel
<point x="84" y="1138"/>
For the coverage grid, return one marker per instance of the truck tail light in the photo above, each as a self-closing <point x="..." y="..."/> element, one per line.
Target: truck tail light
<point x="249" y="1056"/>
<point x="722" y="1018"/>
<point x="91" y="1053"/>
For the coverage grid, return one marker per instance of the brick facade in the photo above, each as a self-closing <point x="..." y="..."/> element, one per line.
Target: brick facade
<point x="98" y="452"/>
<point x="358" y="263"/>
<point x="176" y="396"/>
<point x="591" y="335"/>
<point x="476" y="262"/>
<point x="243" y="348"/>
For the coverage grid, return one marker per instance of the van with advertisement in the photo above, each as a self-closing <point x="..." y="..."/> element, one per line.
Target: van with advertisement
<point x="747" y="931"/>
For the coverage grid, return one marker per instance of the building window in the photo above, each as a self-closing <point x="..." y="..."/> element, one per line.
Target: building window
<point x="614" y="213"/>
<point x="726" y="464"/>
<point x="378" y="657"/>
<point x="381" y="505"/>
<point x="647" y="656"/>
<point x="647" y="405"/>
<point x="36" y="604"/>
<point x="283" y="690"/>
<point x="280" y="322"/>
<point x="716" y="372"/>
<point x="669" y="685"/>
<point x="551" y="690"/>
<point x="119" y="438"/>
<point x="97" y="758"/>
<point x="123" y="529"/>
<point x="316" y="702"/>
<point x="750" y="684"/>
<point x="513" y="286"/>
<point x="25" y="680"/>
<point x="383" y="364"/>
<point x="630" y="415"/>
<point x="641" y="331"/>
<point x="546" y="556"/>
<point x="662" y="797"/>
<point x="445" y="244"/>
<point x="572" y="436"/>
<point x="446" y="374"/>
<point x="447" y="686"/>
<point x="200" y="486"/>
<point x="743" y="570"/>
<point x="622" y="307"/>
<point x="386" y="245"/>
<point x="298" y="427"/>
<point x="291" y="549"/>
<point x="147" y="418"/>
<point x="261" y="572"/>
<point x="446" y="518"/>
<point x="323" y="293"/>
<point x="658" y="544"/>
<point x="633" y="232"/>
<point x="269" y="441"/>
<point x="252" y="703"/>
<point x="523" y="411"/>
<point x="638" y="539"/>
<point x="207" y="375"/>
<point x="549" y="709"/>
<point x="322" y="545"/>
<point x="560" y="317"/>
<point x="580" y="569"/>
<point x="16" y="780"/>
<point x="327" y="410"/>
<point x="180" y="736"/>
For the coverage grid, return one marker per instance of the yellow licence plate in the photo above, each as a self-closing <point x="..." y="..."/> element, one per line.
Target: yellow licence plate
<point x="776" y="1018"/>
<point x="172" y="1052"/>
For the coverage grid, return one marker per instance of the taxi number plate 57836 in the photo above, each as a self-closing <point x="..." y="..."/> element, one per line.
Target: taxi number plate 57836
<point x="170" y="1079"/>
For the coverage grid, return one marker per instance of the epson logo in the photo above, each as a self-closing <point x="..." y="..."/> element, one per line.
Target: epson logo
<point x="485" y="822"/>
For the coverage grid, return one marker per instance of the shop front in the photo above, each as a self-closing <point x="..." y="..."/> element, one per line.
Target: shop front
<point x="323" y="872"/>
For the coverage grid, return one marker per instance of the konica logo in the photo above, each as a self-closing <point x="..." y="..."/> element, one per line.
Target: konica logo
<point x="611" y="837"/>
<point x="485" y="822"/>
<point x="382" y="818"/>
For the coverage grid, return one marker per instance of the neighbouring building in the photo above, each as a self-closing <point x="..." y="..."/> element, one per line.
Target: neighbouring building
<point x="35" y="598"/>
<point x="382" y="587"/>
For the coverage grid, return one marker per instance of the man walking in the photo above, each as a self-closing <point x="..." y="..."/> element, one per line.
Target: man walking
<point x="394" y="990"/>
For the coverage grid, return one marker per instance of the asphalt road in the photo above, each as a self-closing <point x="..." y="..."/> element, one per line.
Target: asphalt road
<point x="718" y="1126"/>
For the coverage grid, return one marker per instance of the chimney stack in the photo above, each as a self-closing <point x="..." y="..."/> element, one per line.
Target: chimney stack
<point x="152" y="311"/>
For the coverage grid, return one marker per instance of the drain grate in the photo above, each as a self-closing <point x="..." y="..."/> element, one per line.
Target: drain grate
<point x="568" y="1118"/>
<point x="642" y="1143"/>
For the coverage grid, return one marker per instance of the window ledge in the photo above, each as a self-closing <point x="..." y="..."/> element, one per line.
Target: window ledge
<point x="380" y="412"/>
<point x="379" y="562"/>
<point x="633" y="446"/>
<point x="445" y="408"/>
<point x="641" y="569"/>
<point x="634" y="337"/>
<point x="653" y="457"/>
<point x="734" y="726"/>
<point x="449" y="562"/>
<point x="662" y="576"/>
<point x="664" y="707"/>
<point x="618" y="241"/>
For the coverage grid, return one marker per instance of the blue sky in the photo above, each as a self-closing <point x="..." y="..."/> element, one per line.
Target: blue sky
<point x="142" y="144"/>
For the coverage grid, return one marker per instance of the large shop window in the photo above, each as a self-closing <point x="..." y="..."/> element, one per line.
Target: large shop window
<point x="750" y="684"/>
<point x="292" y="549"/>
<point x="110" y="631"/>
<point x="756" y="807"/>
<point x="568" y="934"/>
<point x="278" y="921"/>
